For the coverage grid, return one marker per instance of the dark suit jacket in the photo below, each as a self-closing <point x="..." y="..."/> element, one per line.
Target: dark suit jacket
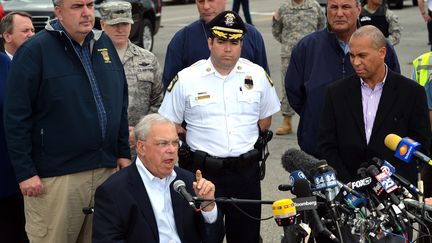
<point x="402" y="110"/>
<point x="123" y="212"/>
<point x="8" y="181"/>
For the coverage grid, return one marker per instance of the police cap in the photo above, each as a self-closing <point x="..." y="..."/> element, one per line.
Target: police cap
<point x="227" y="25"/>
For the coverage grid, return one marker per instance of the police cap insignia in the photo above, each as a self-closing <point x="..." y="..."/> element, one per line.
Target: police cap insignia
<point x="173" y="82"/>
<point x="227" y="25"/>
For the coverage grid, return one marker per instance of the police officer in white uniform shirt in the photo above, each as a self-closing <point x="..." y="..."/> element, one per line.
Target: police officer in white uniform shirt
<point x="225" y="102"/>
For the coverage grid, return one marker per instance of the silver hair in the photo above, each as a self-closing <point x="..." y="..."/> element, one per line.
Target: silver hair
<point x="142" y="129"/>
<point x="357" y="3"/>
<point x="373" y="33"/>
<point x="57" y="2"/>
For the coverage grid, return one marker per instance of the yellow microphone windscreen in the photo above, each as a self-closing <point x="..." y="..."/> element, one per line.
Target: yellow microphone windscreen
<point x="392" y="141"/>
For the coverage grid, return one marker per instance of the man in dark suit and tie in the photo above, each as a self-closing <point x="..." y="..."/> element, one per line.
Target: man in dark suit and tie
<point x="15" y="28"/>
<point x="361" y="110"/>
<point x="139" y="204"/>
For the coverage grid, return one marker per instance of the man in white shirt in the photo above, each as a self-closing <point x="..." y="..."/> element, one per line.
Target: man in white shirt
<point x="139" y="203"/>
<point x="227" y="103"/>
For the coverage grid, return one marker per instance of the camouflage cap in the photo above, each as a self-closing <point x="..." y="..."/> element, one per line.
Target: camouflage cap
<point x="116" y="12"/>
<point x="228" y="26"/>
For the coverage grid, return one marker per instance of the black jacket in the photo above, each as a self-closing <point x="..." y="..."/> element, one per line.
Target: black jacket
<point x="123" y="212"/>
<point x="402" y="110"/>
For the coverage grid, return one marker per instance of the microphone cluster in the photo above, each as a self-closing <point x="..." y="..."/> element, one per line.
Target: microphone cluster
<point x="379" y="204"/>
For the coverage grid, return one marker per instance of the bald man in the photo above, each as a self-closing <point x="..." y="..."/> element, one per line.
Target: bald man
<point x="361" y="110"/>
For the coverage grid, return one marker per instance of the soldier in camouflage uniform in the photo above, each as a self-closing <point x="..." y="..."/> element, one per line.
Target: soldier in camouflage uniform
<point x="377" y="14"/>
<point x="293" y="20"/>
<point x="143" y="72"/>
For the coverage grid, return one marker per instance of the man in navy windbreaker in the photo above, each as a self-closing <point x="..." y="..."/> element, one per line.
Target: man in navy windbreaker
<point x="319" y="59"/>
<point x="65" y="116"/>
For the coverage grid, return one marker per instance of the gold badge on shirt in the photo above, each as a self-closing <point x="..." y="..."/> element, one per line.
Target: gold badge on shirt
<point x="105" y="55"/>
<point x="248" y="82"/>
<point x="202" y="96"/>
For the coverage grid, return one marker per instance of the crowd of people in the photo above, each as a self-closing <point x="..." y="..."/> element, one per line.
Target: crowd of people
<point x="92" y="120"/>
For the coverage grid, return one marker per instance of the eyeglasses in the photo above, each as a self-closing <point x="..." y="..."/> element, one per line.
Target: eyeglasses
<point x="165" y="143"/>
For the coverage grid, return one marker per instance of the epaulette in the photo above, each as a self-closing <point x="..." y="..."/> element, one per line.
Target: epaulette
<point x="172" y="83"/>
<point x="269" y="79"/>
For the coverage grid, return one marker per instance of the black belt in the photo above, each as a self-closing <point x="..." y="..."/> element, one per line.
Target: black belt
<point x="212" y="164"/>
<point x="228" y="162"/>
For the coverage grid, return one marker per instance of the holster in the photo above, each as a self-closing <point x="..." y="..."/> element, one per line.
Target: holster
<point x="261" y="145"/>
<point x="213" y="165"/>
<point x="198" y="159"/>
<point x="184" y="156"/>
<point x="252" y="156"/>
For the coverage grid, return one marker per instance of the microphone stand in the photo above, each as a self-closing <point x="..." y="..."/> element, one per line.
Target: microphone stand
<point x="232" y="200"/>
<point x="292" y="233"/>
<point x="420" y="186"/>
<point x="333" y="212"/>
<point x="419" y="181"/>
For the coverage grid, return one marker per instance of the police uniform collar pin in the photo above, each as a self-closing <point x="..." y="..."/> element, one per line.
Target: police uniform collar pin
<point x="248" y="82"/>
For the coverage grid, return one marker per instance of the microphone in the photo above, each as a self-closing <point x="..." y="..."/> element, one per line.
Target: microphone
<point x="394" y="208"/>
<point x="418" y="205"/>
<point x="390" y="170"/>
<point x="284" y="212"/>
<point x="405" y="148"/>
<point x="294" y="159"/>
<point x="302" y="189"/>
<point x="285" y="187"/>
<point x="180" y="187"/>
<point x="386" y="183"/>
<point x="364" y="182"/>
<point x="295" y="175"/>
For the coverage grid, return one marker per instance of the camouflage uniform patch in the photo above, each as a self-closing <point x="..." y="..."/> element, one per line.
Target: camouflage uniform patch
<point x="295" y="22"/>
<point x="144" y="77"/>
<point x="395" y="27"/>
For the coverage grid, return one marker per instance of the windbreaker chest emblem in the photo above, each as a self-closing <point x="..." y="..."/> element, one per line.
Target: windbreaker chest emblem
<point x="105" y="55"/>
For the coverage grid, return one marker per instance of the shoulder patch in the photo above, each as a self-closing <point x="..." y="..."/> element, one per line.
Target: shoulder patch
<point x="269" y="79"/>
<point x="173" y="82"/>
